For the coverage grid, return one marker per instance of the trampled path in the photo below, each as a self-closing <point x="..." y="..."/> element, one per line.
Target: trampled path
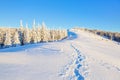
<point x="72" y="69"/>
<point x="101" y="57"/>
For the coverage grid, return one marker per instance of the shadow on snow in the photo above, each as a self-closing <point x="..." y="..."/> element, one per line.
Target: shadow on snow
<point x="71" y="35"/>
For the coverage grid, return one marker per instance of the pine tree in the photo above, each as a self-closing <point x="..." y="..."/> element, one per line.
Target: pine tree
<point x="34" y="37"/>
<point x="52" y="34"/>
<point x="34" y="25"/>
<point x="7" y="42"/>
<point x="48" y="35"/>
<point x="44" y="34"/>
<point x="34" y="34"/>
<point x="16" y="40"/>
<point x="26" y="36"/>
<point x="38" y="33"/>
<point x="55" y="35"/>
<point x="1" y="39"/>
<point x="21" y="29"/>
<point x="21" y="24"/>
<point x="65" y="33"/>
<point x="59" y="36"/>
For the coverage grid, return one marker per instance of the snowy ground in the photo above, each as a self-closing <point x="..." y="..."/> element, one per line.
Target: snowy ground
<point x="83" y="56"/>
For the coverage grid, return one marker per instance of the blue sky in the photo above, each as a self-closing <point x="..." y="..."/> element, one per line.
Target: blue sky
<point x="94" y="14"/>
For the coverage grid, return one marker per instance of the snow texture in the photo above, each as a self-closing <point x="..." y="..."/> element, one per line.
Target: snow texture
<point x="82" y="56"/>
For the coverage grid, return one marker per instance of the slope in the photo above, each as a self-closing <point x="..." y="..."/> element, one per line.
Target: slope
<point x="102" y="56"/>
<point x="82" y="56"/>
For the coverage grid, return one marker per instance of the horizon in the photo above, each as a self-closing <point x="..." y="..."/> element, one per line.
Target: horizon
<point x="100" y="15"/>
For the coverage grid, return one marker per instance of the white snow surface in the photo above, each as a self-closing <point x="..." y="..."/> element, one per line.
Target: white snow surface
<point x="82" y="56"/>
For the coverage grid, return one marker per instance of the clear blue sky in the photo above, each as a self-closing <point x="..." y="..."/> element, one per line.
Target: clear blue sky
<point x="95" y="14"/>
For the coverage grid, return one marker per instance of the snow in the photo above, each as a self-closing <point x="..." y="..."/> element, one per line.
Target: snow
<point x="82" y="56"/>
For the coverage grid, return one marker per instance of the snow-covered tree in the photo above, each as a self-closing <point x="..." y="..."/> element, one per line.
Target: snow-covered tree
<point x="16" y="40"/>
<point x="26" y="35"/>
<point x="59" y="34"/>
<point x="21" y="24"/>
<point x="20" y="31"/>
<point x="38" y="33"/>
<point x="44" y="34"/>
<point x="34" y="34"/>
<point x="48" y="34"/>
<point x="55" y="35"/>
<point x="34" y="25"/>
<point x="1" y="39"/>
<point x="34" y="37"/>
<point x="52" y="35"/>
<point x="7" y="42"/>
<point x="64" y="33"/>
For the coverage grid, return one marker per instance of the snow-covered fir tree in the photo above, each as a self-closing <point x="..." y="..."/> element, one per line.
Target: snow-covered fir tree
<point x="16" y="40"/>
<point x="1" y="39"/>
<point x="7" y="42"/>
<point x="26" y="35"/>
<point x="38" y="33"/>
<point x="44" y="34"/>
<point x="21" y="29"/>
<point x="55" y="35"/>
<point x="21" y="24"/>
<point x="34" y="25"/>
<point x="34" y="33"/>
<point x="59" y="35"/>
<point x="52" y="35"/>
<point x="48" y="34"/>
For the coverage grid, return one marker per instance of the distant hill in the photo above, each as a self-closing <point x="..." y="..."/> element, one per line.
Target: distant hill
<point x="106" y="34"/>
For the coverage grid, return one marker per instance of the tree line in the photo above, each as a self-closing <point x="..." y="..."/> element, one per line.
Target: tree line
<point x="10" y="37"/>
<point x="115" y="36"/>
<point x="109" y="35"/>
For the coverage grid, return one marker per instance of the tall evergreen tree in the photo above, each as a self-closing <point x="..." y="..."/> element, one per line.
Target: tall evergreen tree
<point x="44" y="34"/>
<point x="59" y="36"/>
<point x="21" y="29"/>
<point x="26" y="35"/>
<point x="38" y="33"/>
<point x="1" y="39"/>
<point x="21" y="24"/>
<point x="16" y="40"/>
<point x="7" y="42"/>
<point x="52" y="34"/>
<point x="34" y="25"/>
<point x="34" y="33"/>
